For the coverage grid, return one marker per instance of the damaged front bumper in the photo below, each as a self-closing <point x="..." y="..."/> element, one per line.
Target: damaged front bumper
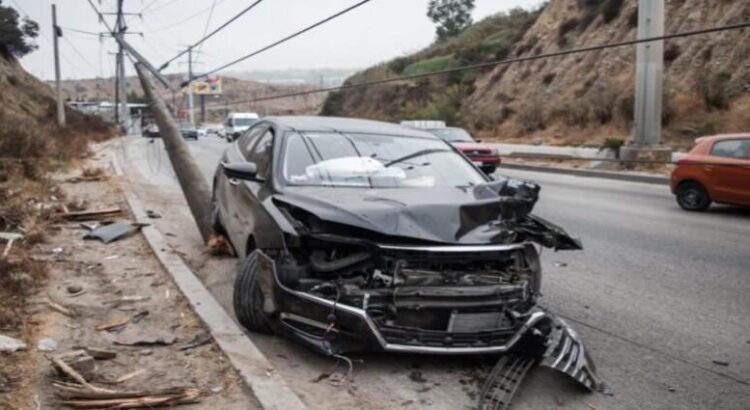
<point x="334" y="328"/>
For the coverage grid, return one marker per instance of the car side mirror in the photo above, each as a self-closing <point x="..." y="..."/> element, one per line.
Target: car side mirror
<point x="245" y="171"/>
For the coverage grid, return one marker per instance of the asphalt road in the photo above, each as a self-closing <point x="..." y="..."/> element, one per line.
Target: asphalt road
<point x="660" y="297"/>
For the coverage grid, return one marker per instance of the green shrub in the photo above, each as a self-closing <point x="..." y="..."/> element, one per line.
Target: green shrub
<point x="433" y="64"/>
<point x="531" y="117"/>
<point x="398" y="64"/>
<point x="671" y="52"/>
<point x="573" y="114"/>
<point x="611" y="9"/>
<point x="714" y="88"/>
<point x="445" y="106"/>
<point x="615" y="144"/>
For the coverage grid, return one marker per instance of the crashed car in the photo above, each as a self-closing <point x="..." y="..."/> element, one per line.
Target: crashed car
<point x="366" y="236"/>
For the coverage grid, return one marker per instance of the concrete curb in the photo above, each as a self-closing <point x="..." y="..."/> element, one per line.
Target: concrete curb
<point x="256" y="371"/>
<point x="619" y="176"/>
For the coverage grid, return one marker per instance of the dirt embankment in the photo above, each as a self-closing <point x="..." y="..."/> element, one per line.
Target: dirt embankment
<point x="60" y="293"/>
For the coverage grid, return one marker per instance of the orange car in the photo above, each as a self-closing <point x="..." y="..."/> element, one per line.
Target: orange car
<point x="717" y="169"/>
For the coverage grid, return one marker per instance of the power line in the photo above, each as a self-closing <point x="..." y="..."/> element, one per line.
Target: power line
<point x="143" y="10"/>
<point x="75" y="30"/>
<point x="188" y="18"/>
<point x="285" y="39"/>
<point x="498" y="63"/>
<point x="85" y="60"/>
<point x="206" y="37"/>
<point x="147" y="6"/>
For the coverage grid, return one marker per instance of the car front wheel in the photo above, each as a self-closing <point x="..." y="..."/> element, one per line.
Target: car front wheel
<point x="692" y="196"/>
<point x="248" y="297"/>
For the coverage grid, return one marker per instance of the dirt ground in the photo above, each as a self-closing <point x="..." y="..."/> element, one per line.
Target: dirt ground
<point x="99" y="284"/>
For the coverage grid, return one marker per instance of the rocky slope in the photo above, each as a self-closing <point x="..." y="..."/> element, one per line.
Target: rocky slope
<point x="582" y="98"/>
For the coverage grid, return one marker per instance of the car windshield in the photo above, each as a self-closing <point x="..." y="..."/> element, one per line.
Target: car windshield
<point x="374" y="161"/>
<point x="453" y="134"/>
<point x="244" y="122"/>
<point x="186" y="126"/>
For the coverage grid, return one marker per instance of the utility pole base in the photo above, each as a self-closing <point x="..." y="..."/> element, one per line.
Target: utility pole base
<point x="632" y="152"/>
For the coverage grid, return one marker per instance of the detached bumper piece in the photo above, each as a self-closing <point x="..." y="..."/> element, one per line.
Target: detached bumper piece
<point x="567" y="354"/>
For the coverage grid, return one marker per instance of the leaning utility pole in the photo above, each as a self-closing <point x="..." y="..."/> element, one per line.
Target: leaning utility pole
<point x="194" y="186"/>
<point x="56" y="34"/>
<point x="646" y="142"/>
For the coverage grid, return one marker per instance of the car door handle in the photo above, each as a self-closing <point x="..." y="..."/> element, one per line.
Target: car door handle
<point x="234" y="181"/>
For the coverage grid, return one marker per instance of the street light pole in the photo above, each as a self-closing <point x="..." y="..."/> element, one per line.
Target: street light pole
<point x="191" y="116"/>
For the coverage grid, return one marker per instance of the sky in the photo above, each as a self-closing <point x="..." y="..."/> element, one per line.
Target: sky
<point x="375" y="32"/>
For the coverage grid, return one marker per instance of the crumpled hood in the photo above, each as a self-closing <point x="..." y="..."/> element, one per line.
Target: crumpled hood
<point x="471" y="215"/>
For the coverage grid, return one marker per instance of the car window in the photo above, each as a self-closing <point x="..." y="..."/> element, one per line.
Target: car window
<point x="261" y="154"/>
<point x="374" y="161"/>
<point x="739" y="148"/>
<point x="247" y="140"/>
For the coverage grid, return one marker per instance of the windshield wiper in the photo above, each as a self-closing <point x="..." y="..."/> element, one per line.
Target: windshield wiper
<point x="415" y="155"/>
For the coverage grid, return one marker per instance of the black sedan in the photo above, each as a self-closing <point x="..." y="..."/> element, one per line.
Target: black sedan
<point x="366" y="236"/>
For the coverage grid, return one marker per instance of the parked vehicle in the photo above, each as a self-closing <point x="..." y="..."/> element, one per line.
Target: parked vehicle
<point x="151" y="131"/>
<point x="717" y="170"/>
<point x="237" y="123"/>
<point x="482" y="155"/>
<point x="188" y="130"/>
<point x="367" y="236"/>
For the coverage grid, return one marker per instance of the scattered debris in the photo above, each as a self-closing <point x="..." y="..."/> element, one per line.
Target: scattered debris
<point x="198" y="340"/>
<point x="153" y="214"/>
<point x="69" y="371"/>
<point x="146" y="352"/>
<point x="146" y="340"/>
<point x="74" y="289"/>
<point x="129" y="376"/>
<point x="114" y="231"/>
<point x="9" y="344"/>
<point x="139" y="316"/>
<point x="9" y="237"/>
<point x="4" y="384"/>
<point x="100" y="354"/>
<point x="56" y="306"/>
<point x="92" y="215"/>
<point x="721" y="363"/>
<point x="113" y="325"/>
<point x="80" y="361"/>
<point x="47" y="344"/>
<point x="417" y="376"/>
<point x="218" y="245"/>
<point x="561" y="264"/>
<point x="80" y="398"/>
<point x="126" y="299"/>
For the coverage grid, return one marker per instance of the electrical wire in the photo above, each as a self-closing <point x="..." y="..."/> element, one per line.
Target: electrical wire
<point x="221" y="27"/>
<point x="492" y="64"/>
<point x="192" y="16"/>
<point x="285" y="39"/>
<point x="85" y="60"/>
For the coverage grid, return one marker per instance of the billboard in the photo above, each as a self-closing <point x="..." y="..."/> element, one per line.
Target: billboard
<point x="207" y="86"/>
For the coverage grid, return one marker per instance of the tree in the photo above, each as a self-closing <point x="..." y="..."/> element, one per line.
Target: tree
<point x="450" y="16"/>
<point x="15" y="36"/>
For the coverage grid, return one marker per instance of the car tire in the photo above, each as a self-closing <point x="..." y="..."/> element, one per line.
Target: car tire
<point x="692" y="196"/>
<point x="248" y="298"/>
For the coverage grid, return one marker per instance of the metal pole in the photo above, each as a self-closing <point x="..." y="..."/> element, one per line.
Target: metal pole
<point x="123" y="102"/>
<point x="649" y="75"/>
<point x="56" y="33"/>
<point x="191" y="116"/>
<point x="203" y="108"/>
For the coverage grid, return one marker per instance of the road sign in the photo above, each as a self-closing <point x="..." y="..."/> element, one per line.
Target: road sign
<point x="207" y="86"/>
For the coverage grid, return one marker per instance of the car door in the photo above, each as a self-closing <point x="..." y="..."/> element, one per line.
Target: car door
<point x="239" y="152"/>
<point x="730" y="171"/>
<point x="249" y="215"/>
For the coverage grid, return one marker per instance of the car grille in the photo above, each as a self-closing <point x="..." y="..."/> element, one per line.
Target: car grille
<point x="467" y="330"/>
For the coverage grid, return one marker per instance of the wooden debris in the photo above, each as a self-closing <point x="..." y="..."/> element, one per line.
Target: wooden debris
<point x="82" y="399"/>
<point x="92" y="215"/>
<point x="80" y="361"/>
<point x="129" y="376"/>
<point x="63" y="367"/>
<point x="100" y="354"/>
<point x="52" y="303"/>
<point x="113" y="324"/>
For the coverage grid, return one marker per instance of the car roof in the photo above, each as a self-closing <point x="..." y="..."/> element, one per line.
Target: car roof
<point x="721" y="137"/>
<point x="352" y="125"/>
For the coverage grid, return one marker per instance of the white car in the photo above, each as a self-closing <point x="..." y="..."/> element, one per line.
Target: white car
<point x="237" y="123"/>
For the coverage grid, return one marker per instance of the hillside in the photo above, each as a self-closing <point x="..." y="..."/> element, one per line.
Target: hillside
<point x="577" y="99"/>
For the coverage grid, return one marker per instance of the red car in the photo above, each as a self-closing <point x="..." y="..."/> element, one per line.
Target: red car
<point x="717" y="169"/>
<point x="482" y="155"/>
